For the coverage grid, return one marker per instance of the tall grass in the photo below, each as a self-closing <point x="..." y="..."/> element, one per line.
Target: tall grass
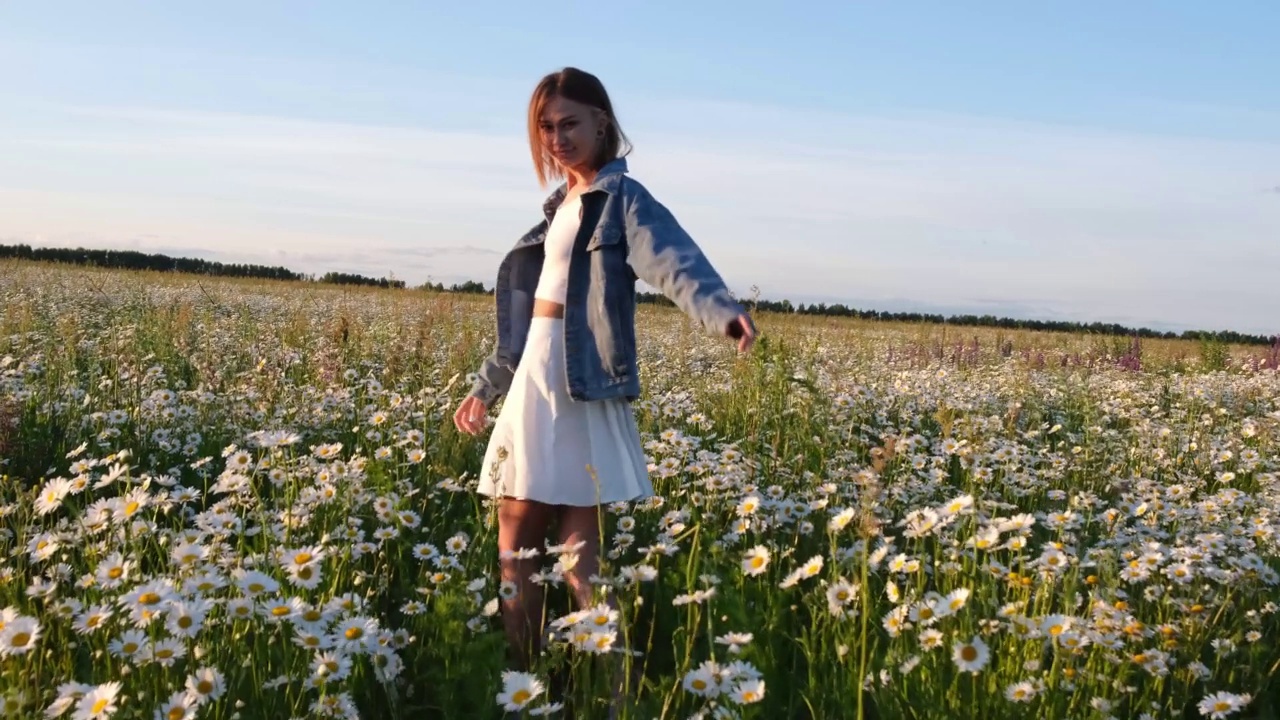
<point x="246" y="499"/>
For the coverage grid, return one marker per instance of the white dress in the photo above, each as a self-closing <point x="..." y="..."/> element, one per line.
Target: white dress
<point x="545" y="445"/>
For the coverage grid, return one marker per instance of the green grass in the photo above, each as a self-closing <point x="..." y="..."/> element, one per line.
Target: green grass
<point x="1029" y="477"/>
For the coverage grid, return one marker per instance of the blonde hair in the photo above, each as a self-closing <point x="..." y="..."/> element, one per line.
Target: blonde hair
<point x="580" y="87"/>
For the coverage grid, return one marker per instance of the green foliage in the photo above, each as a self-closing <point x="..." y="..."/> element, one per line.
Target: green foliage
<point x="1004" y="484"/>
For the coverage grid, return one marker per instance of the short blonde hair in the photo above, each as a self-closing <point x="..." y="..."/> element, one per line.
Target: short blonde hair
<point x="580" y="87"/>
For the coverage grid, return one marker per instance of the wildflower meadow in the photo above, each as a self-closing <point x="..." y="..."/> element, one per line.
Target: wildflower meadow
<point x="246" y="499"/>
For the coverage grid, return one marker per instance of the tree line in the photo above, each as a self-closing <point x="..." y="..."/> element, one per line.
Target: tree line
<point x="134" y="260"/>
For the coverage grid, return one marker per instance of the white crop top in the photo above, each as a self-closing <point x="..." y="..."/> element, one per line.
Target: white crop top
<point x="554" y="281"/>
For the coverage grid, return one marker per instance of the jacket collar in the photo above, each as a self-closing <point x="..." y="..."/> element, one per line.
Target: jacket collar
<point x="607" y="180"/>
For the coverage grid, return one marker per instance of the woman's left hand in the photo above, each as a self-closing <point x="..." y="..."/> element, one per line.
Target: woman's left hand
<point x="741" y="329"/>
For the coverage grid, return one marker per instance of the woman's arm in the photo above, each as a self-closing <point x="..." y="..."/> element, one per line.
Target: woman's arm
<point x="492" y="380"/>
<point x="664" y="256"/>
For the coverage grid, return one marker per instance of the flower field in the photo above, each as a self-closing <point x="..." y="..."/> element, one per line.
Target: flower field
<point x="234" y="499"/>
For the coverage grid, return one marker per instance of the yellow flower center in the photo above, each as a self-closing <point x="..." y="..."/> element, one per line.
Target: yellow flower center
<point x="757" y="562"/>
<point x="131" y="508"/>
<point x="312" y="616"/>
<point x="302" y="558"/>
<point x="115" y="573"/>
<point x="354" y="633"/>
<point x="185" y="622"/>
<point x="699" y="684"/>
<point x="99" y="706"/>
<point x="20" y="639"/>
<point x="968" y="653"/>
<point x="204" y="687"/>
<point x="280" y="610"/>
<point x="129" y="648"/>
<point x="521" y="696"/>
<point x="149" y="598"/>
<point x="164" y="653"/>
<point x="177" y="712"/>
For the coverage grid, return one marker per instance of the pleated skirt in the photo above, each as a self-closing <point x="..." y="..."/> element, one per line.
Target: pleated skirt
<point x="550" y="448"/>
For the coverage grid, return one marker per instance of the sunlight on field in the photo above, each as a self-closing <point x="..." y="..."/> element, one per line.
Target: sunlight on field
<point x="246" y="499"/>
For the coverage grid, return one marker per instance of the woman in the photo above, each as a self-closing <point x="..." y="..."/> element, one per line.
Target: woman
<point x="566" y="440"/>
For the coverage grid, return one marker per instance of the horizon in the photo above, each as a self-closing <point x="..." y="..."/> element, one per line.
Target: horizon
<point x="1020" y="164"/>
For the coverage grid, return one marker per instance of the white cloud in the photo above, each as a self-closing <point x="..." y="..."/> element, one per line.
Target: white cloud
<point x="940" y="210"/>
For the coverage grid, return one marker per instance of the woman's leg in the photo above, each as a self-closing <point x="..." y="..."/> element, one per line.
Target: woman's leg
<point x="582" y="525"/>
<point x="522" y="524"/>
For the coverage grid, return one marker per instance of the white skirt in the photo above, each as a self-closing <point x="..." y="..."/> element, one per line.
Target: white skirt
<point x="553" y="449"/>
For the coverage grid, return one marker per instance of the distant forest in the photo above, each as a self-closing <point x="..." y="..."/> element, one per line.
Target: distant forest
<point x="134" y="260"/>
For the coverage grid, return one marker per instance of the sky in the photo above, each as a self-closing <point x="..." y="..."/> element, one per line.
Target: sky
<point x="1090" y="161"/>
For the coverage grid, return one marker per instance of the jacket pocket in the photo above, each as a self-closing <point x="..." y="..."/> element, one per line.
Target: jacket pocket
<point x="606" y="234"/>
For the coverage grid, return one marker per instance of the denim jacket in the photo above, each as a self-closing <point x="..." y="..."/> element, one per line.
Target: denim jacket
<point x="625" y="234"/>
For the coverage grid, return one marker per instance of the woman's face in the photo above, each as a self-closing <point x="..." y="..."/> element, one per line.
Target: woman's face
<point x="572" y="132"/>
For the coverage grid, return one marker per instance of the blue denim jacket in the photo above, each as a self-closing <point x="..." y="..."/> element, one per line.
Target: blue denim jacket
<point x="625" y="234"/>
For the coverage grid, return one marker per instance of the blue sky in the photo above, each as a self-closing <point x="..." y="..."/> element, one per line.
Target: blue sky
<point x="1087" y="161"/>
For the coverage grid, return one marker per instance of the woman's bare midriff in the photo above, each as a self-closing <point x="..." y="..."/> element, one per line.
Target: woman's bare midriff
<point x="547" y="308"/>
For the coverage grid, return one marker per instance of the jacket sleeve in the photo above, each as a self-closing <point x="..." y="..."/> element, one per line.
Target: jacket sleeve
<point x="493" y="379"/>
<point x="663" y="255"/>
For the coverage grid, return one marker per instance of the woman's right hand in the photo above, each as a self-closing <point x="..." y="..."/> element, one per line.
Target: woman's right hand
<point x="471" y="415"/>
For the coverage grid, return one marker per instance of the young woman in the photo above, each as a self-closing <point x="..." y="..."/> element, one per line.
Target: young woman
<point x="565" y="441"/>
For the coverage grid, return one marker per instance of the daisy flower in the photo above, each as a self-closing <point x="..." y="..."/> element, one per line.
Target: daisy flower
<point x="1221" y="704"/>
<point x="128" y="645"/>
<point x="1020" y="692"/>
<point x="19" y="636"/>
<point x="92" y="619"/>
<point x="206" y="685"/>
<point x="703" y="681"/>
<point x="747" y="692"/>
<point x="756" y="560"/>
<point x="355" y="634"/>
<point x="518" y="690"/>
<point x="734" y="641"/>
<point x="178" y="707"/>
<point x="970" y="656"/>
<point x="98" y="703"/>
